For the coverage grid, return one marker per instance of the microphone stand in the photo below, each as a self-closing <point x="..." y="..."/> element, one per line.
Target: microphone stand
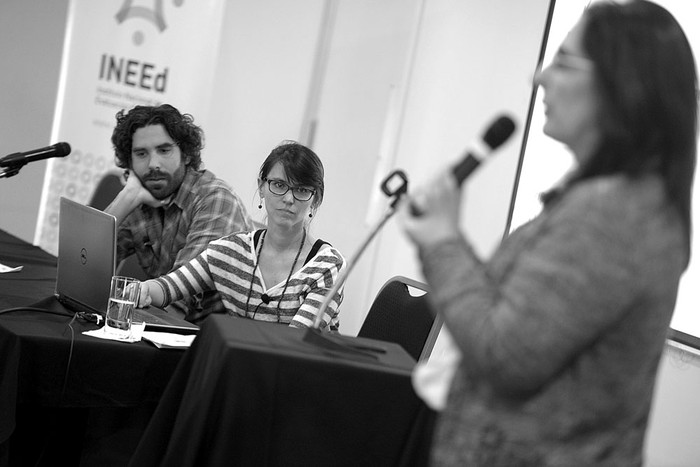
<point x="314" y="334"/>
<point x="11" y="168"/>
<point x="13" y="162"/>
<point x="10" y="171"/>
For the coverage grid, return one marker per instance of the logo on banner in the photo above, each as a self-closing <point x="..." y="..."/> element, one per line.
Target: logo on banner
<point x="153" y="15"/>
<point x="132" y="72"/>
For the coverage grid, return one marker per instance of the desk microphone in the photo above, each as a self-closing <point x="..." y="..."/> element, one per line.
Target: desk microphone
<point x="22" y="158"/>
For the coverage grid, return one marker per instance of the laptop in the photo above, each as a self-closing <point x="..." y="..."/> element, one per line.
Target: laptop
<point x="87" y="247"/>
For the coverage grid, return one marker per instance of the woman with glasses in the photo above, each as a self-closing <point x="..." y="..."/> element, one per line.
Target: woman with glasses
<point x="562" y="328"/>
<point x="279" y="274"/>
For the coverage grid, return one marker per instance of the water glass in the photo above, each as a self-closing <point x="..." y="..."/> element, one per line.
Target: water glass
<point x="123" y="297"/>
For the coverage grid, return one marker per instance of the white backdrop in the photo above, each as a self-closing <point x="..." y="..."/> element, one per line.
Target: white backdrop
<point x="117" y="55"/>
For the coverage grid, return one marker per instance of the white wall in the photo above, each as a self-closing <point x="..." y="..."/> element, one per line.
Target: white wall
<point x="368" y="60"/>
<point x="463" y="75"/>
<point x="672" y="435"/>
<point x="262" y="85"/>
<point x="274" y="79"/>
<point x="31" y="42"/>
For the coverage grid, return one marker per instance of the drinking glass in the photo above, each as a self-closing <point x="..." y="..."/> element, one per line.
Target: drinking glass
<point x="123" y="297"/>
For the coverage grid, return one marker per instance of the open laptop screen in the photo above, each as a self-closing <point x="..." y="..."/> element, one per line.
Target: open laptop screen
<point x="87" y="261"/>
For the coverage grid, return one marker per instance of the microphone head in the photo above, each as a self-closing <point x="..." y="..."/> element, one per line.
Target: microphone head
<point x="499" y="131"/>
<point x="265" y="298"/>
<point x="62" y="149"/>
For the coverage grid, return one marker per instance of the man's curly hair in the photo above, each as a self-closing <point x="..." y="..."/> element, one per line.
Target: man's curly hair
<point x="181" y="128"/>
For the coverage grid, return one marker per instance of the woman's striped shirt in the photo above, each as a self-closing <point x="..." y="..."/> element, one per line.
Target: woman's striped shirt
<point x="227" y="266"/>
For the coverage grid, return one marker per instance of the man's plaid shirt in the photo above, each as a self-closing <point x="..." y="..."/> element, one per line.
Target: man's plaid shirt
<point x="163" y="239"/>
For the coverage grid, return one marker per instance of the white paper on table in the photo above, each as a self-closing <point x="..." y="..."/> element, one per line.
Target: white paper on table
<point x="135" y="336"/>
<point x="169" y="340"/>
<point x="4" y="268"/>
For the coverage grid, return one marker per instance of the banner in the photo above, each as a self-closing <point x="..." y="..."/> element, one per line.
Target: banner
<point x="118" y="54"/>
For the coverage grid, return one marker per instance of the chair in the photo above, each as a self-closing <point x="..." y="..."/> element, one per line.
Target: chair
<point x="105" y="192"/>
<point x="400" y="316"/>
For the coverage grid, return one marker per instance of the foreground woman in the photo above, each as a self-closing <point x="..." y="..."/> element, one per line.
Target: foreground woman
<point x="561" y="330"/>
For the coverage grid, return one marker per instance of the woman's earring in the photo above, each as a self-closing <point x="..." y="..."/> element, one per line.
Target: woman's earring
<point x="310" y="214"/>
<point x="261" y="203"/>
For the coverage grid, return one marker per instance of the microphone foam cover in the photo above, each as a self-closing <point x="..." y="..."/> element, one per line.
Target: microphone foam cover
<point x="499" y="131"/>
<point x="62" y="149"/>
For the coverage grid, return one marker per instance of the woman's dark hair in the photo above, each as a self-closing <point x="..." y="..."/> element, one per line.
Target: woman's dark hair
<point x="645" y="72"/>
<point x="301" y="164"/>
<point x="181" y="128"/>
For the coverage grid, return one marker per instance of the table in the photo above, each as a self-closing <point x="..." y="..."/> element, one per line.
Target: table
<point x="253" y="393"/>
<point x="37" y="278"/>
<point x="67" y="398"/>
<point x="246" y="393"/>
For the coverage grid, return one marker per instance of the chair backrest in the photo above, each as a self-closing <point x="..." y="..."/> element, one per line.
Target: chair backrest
<point x="400" y="316"/>
<point x="107" y="189"/>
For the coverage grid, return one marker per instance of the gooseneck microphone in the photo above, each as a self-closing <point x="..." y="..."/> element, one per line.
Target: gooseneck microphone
<point x="19" y="159"/>
<point x="495" y="135"/>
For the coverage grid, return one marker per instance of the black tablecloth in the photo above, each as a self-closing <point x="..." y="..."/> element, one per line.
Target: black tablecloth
<point x="49" y="361"/>
<point x="251" y="393"/>
<point x="64" y="396"/>
<point x="246" y="393"/>
<point x="36" y="280"/>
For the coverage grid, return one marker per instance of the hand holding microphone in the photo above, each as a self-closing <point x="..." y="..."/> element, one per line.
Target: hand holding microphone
<point x="432" y="214"/>
<point x="496" y="134"/>
<point x="416" y="224"/>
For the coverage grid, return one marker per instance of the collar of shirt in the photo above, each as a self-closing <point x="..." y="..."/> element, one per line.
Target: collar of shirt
<point x="186" y="190"/>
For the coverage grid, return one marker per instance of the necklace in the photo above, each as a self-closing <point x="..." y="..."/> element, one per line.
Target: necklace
<point x="286" y="282"/>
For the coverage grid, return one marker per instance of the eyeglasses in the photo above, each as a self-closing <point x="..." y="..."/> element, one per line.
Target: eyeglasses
<point x="163" y="150"/>
<point x="280" y="188"/>
<point x="565" y="60"/>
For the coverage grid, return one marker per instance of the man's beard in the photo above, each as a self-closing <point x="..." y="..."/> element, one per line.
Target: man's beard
<point x="158" y="183"/>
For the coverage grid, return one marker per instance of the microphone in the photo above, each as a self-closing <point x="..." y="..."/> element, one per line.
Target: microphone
<point x="495" y="135"/>
<point x="265" y="298"/>
<point x="19" y="159"/>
